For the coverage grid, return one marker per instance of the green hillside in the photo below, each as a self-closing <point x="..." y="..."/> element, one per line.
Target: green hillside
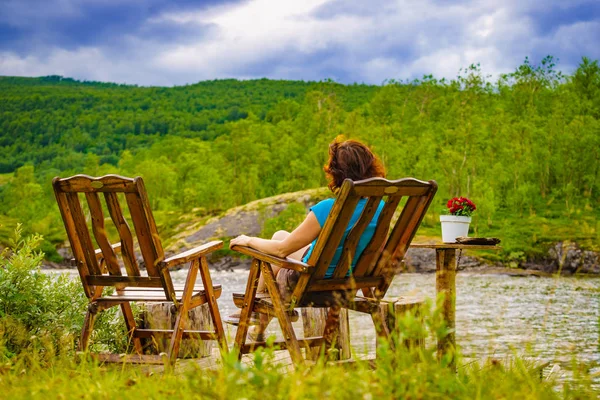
<point x="525" y="148"/>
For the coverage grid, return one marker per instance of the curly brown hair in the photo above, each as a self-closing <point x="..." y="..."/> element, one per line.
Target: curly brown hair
<point x="351" y="159"/>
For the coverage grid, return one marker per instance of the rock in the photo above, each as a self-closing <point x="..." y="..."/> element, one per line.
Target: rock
<point x="567" y="258"/>
<point x="65" y="251"/>
<point x="420" y="260"/>
<point x="423" y="261"/>
<point x="229" y="263"/>
<point x="248" y="219"/>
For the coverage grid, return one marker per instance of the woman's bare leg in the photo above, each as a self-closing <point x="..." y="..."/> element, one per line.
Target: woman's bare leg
<point x="279" y="235"/>
<point x="264" y="318"/>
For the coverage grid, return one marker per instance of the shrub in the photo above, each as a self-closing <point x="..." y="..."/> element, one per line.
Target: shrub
<point x="38" y="312"/>
<point x="288" y="220"/>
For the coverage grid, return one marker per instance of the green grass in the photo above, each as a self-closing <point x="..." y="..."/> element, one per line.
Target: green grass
<point x="398" y="374"/>
<point x="4" y="178"/>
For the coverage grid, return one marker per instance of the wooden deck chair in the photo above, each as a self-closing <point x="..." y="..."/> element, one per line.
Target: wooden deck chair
<point x="373" y="272"/>
<point x="100" y="268"/>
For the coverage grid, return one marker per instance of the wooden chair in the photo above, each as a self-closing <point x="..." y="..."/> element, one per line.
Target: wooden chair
<point x="373" y="272"/>
<point x="100" y="268"/>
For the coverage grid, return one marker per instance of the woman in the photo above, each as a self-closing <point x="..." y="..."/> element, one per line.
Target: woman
<point x="348" y="159"/>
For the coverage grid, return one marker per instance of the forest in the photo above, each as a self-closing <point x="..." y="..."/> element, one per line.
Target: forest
<point x="525" y="147"/>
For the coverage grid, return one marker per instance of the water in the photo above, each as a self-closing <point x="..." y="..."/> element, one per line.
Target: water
<point x="496" y="315"/>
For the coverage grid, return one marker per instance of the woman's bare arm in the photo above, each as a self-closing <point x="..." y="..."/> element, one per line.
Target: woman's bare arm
<point x="303" y="235"/>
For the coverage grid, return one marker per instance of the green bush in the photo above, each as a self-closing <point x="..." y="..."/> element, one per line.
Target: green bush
<point x="38" y="312"/>
<point x="41" y="314"/>
<point x="288" y="220"/>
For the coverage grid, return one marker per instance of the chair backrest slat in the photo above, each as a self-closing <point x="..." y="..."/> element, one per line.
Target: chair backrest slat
<point x="99" y="230"/>
<point x="335" y="230"/>
<point x="376" y="266"/>
<point x="399" y="241"/>
<point x="351" y="242"/>
<point x="127" y="252"/>
<point x="82" y="233"/>
<point x="76" y="247"/>
<point x="144" y="235"/>
<point x="367" y="260"/>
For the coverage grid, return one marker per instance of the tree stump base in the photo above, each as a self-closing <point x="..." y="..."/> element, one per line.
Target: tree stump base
<point x="393" y="310"/>
<point x="313" y="321"/>
<point x="160" y="316"/>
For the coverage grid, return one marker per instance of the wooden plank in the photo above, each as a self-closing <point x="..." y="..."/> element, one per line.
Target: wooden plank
<point x="124" y="281"/>
<point x="67" y="218"/>
<point x="99" y="230"/>
<point x="248" y="306"/>
<point x="287" y="263"/>
<point x="86" y="184"/>
<point x="284" y="320"/>
<point x="313" y="323"/>
<point x="368" y="191"/>
<point x="131" y="326"/>
<point x="83" y="234"/>
<point x="401" y="236"/>
<point x="368" y="258"/>
<point x="213" y="307"/>
<point x="343" y="284"/>
<point x="114" y="209"/>
<point x="351" y="242"/>
<point x="187" y="334"/>
<point x="197" y="299"/>
<point x="182" y="311"/>
<point x="194" y="253"/>
<point x="148" y="238"/>
<point x="115" y="246"/>
<point x="400" y="183"/>
<point x="144" y="236"/>
<point x="86" y="331"/>
<point x="405" y="227"/>
<point x="128" y="358"/>
<point x="306" y="343"/>
<point x="453" y="246"/>
<point x="332" y="232"/>
<point x="445" y="283"/>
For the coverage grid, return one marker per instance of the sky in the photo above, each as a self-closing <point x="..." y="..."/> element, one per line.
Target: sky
<point x="177" y="42"/>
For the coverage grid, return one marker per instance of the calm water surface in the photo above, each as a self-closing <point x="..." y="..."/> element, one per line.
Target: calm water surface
<point x="496" y="315"/>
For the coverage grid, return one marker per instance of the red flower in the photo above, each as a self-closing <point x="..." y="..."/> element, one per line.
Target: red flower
<point x="460" y="206"/>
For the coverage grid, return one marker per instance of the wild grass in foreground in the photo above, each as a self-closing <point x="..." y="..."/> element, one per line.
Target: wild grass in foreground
<point x="40" y="318"/>
<point x="397" y="375"/>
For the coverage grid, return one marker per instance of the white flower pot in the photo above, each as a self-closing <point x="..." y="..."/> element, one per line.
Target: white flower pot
<point x="454" y="226"/>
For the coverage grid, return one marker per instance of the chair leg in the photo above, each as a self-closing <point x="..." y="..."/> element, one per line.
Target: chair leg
<point x="212" y="305"/>
<point x="182" y="312"/>
<point x="130" y="324"/>
<point x="88" y="326"/>
<point x="284" y="319"/>
<point x="249" y="297"/>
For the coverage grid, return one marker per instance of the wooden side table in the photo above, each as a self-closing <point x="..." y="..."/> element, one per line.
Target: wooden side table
<point x="445" y="282"/>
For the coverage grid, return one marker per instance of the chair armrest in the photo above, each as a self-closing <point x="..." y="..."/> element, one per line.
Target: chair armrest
<point x="287" y="263"/>
<point x="116" y="247"/>
<point x="193" y="254"/>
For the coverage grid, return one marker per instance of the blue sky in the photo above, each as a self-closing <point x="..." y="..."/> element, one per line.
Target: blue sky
<point x="154" y="42"/>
